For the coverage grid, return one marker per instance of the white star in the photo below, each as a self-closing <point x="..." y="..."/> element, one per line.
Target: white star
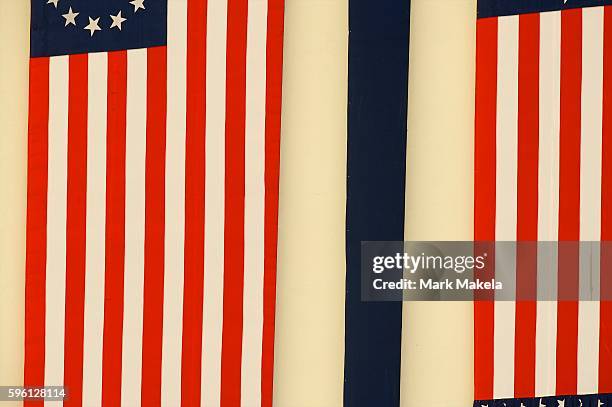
<point x="138" y="4"/>
<point x="54" y="2"/>
<point x="93" y="26"/>
<point x="599" y="403"/>
<point x="541" y="405"/>
<point x="70" y="17"/>
<point x="117" y="20"/>
<point x="484" y="405"/>
<point x="522" y="405"/>
<point x="561" y="403"/>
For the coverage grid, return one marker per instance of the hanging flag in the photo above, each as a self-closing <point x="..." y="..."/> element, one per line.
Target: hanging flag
<point x="542" y="173"/>
<point x="153" y="159"/>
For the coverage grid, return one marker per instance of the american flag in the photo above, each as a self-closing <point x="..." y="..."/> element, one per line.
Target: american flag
<point x="543" y="172"/>
<point x="153" y="160"/>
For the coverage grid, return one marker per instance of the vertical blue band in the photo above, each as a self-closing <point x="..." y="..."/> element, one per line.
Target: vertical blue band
<point x="376" y="174"/>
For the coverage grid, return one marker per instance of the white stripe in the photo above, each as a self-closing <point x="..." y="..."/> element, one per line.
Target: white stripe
<point x="546" y="337"/>
<point x="590" y="194"/>
<point x="588" y="347"/>
<point x="214" y="202"/>
<point x="591" y="124"/>
<point x="548" y="176"/>
<point x="135" y="149"/>
<point x="548" y="195"/>
<point x="506" y="192"/>
<point x="503" y="360"/>
<point x="507" y="139"/>
<point x="254" y="203"/>
<point x="55" y="302"/>
<point x="175" y="204"/>
<point x="93" y="324"/>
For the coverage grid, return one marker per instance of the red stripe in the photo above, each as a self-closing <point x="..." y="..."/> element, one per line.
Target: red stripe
<point x="191" y="366"/>
<point x="233" y="278"/>
<point x="484" y="193"/>
<point x="75" y="229"/>
<point x="527" y="204"/>
<point x="115" y="228"/>
<point x="528" y="117"/>
<point x="155" y="164"/>
<point x="36" y="225"/>
<point x="274" y="72"/>
<point x="605" y="324"/>
<point x="569" y="200"/>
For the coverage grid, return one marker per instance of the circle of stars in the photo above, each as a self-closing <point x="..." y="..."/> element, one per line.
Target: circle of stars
<point x="94" y="25"/>
<point x="561" y="402"/>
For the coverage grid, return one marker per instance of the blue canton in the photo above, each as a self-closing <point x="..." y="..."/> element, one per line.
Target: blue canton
<point x="587" y="400"/>
<point x="492" y="8"/>
<point x="63" y="27"/>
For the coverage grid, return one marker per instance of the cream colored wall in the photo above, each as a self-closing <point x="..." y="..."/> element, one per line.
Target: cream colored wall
<point x="309" y="357"/>
<point x="311" y="267"/>
<point x="14" y="52"/>
<point x="437" y="357"/>
<point x="437" y="340"/>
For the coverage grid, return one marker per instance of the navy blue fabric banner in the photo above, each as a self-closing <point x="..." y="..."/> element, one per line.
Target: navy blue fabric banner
<point x="493" y="8"/>
<point x="62" y="27"/>
<point x="587" y="400"/>
<point x="376" y="170"/>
